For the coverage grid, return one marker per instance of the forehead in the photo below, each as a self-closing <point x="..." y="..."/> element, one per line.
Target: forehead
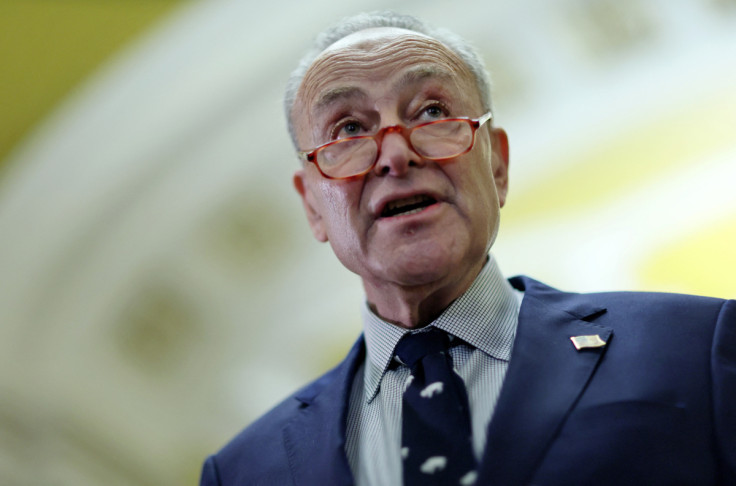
<point x="381" y="56"/>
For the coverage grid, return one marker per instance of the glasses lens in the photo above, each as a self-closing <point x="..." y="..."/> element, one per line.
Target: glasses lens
<point x="347" y="157"/>
<point x="442" y="139"/>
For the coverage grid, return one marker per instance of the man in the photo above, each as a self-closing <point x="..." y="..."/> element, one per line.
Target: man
<point x="404" y="175"/>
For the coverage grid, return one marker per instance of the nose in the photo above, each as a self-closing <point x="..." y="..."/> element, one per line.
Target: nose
<point x="396" y="155"/>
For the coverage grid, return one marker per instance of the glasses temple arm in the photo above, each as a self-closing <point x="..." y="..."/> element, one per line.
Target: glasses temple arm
<point x="481" y="120"/>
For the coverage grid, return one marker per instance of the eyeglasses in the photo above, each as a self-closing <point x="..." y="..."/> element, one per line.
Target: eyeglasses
<point x="355" y="156"/>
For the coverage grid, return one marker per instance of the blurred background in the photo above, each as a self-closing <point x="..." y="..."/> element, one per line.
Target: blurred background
<point x="153" y="256"/>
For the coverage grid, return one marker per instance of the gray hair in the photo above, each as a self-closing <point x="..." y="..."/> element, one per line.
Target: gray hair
<point x="371" y="20"/>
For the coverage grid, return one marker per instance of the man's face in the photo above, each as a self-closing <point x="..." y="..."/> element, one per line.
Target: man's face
<point x="382" y="77"/>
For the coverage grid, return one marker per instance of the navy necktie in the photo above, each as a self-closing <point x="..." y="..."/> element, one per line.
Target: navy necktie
<point x="436" y="438"/>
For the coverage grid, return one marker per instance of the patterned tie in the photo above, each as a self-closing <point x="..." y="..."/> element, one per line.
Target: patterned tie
<point x="436" y="442"/>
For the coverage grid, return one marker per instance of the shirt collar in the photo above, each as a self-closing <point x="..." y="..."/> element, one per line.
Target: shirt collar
<point x="485" y="317"/>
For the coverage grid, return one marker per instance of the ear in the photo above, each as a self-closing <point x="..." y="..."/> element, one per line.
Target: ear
<point x="314" y="217"/>
<point x="500" y="162"/>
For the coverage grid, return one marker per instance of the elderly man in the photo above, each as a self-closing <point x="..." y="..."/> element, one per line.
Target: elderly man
<point x="462" y="377"/>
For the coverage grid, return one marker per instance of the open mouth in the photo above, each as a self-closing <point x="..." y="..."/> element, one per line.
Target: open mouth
<point x="409" y="205"/>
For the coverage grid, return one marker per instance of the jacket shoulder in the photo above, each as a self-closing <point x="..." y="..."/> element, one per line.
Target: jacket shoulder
<point x="623" y="303"/>
<point x="258" y="451"/>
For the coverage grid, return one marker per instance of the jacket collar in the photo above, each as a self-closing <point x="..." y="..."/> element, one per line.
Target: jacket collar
<point x="315" y="437"/>
<point x="545" y="377"/>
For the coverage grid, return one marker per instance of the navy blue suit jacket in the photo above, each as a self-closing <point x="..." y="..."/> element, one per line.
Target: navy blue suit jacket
<point x="655" y="406"/>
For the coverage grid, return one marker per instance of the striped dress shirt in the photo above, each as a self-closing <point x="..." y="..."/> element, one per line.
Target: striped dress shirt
<point x="485" y="317"/>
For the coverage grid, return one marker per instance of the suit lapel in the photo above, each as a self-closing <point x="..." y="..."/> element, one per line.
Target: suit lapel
<point x="546" y="375"/>
<point x="315" y="437"/>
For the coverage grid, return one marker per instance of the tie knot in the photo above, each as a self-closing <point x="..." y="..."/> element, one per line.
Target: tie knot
<point x="415" y="346"/>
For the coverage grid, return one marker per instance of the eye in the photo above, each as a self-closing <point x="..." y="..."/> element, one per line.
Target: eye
<point x="433" y="112"/>
<point x="348" y="128"/>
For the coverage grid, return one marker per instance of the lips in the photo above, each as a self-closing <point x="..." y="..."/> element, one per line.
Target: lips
<point x="407" y="205"/>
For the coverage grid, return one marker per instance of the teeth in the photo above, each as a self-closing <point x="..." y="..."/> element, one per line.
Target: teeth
<point x="409" y="205"/>
<point x="412" y="211"/>
<point x="405" y="202"/>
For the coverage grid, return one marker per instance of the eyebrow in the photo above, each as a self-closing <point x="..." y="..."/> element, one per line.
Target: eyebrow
<point x="421" y="73"/>
<point x="337" y="94"/>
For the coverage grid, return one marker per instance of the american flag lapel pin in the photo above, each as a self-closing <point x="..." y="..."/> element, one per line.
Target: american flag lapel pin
<point x="587" y="342"/>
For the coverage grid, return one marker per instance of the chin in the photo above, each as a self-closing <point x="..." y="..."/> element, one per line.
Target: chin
<point x="413" y="276"/>
<point x="423" y="268"/>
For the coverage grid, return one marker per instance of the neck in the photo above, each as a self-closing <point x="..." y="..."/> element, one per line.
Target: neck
<point x="413" y="307"/>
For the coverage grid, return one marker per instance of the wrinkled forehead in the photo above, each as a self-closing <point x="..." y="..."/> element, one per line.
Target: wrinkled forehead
<point x="368" y="38"/>
<point x="374" y="55"/>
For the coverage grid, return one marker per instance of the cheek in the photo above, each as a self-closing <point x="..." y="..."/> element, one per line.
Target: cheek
<point x="488" y="182"/>
<point x="480" y="184"/>
<point x="341" y="207"/>
<point x="484" y="203"/>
